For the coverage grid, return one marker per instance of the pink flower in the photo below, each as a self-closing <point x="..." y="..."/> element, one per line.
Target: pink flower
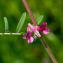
<point x="43" y="28"/>
<point x="46" y="31"/>
<point x="32" y="28"/>
<point x="30" y="40"/>
<point x="29" y="37"/>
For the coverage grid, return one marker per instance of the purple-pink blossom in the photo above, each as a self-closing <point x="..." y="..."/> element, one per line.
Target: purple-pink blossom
<point x="31" y="29"/>
<point x="43" y="28"/>
<point x="29" y="37"/>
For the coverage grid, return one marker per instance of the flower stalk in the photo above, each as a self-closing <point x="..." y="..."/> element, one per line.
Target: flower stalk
<point x="47" y="48"/>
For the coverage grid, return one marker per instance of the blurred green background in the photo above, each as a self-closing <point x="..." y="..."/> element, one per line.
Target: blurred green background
<point x="13" y="49"/>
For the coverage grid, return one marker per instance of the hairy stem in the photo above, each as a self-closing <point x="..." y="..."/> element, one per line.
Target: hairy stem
<point x="34" y="22"/>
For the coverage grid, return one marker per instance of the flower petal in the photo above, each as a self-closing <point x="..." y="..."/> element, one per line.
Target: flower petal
<point x="44" y="24"/>
<point x="37" y="33"/>
<point x="30" y="40"/>
<point x="31" y="26"/>
<point x="46" y="31"/>
<point x="28" y="29"/>
<point x="35" y="28"/>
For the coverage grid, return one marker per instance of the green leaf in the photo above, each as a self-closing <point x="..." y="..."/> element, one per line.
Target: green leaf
<point x="21" y="22"/>
<point x="39" y="19"/>
<point x="6" y="25"/>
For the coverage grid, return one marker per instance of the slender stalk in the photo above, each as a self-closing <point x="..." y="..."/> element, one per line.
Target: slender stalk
<point x="43" y="42"/>
<point x="10" y="34"/>
<point x="47" y="48"/>
<point x="29" y="11"/>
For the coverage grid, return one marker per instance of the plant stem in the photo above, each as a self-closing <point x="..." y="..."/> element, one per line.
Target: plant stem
<point x="43" y="42"/>
<point x="10" y="34"/>
<point x="47" y="48"/>
<point x="30" y="12"/>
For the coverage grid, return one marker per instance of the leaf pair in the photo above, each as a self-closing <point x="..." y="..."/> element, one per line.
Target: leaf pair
<point x="22" y="21"/>
<point x="19" y="26"/>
